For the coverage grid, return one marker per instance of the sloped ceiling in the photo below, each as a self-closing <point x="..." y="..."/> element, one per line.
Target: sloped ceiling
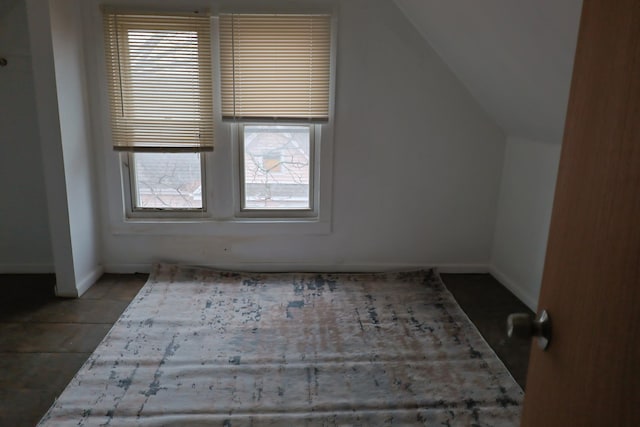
<point x="514" y="56"/>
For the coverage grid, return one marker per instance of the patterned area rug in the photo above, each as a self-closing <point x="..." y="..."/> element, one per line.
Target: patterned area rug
<point x="199" y="347"/>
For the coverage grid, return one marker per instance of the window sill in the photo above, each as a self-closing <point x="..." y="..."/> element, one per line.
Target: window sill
<point x="216" y="227"/>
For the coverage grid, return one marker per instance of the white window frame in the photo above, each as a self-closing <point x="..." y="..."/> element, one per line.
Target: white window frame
<point x="220" y="171"/>
<point x="314" y="194"/>
<point x="129" y="190"/>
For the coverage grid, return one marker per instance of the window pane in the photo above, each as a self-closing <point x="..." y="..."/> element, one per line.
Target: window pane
<point x="277" y="169"/>
<point x="167" y="181"/>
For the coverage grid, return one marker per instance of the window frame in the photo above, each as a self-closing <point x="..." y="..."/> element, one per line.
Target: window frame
<point x="129" y="190"/>
<point x="314" y="194"/>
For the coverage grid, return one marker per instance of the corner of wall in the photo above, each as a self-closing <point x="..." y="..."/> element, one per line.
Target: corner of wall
<point x="56" y="47"/>
<point x="84" y="283"/>
<point x="527" y="296"/>
<point x="523" y="216"/>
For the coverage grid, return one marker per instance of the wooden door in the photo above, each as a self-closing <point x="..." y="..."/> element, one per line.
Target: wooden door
<point x="590" y="375"/>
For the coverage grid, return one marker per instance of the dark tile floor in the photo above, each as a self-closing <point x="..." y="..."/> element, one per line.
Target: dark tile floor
<point x="44" y="340"/>
<point x="488" y="303"/>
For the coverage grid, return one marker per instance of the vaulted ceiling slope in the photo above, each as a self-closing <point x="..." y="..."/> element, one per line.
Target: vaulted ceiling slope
<point x="514" y="56"/>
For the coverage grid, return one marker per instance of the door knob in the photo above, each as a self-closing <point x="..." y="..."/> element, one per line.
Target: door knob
<point x="523" y="325"/>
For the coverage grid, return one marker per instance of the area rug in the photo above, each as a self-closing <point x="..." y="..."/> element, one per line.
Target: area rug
<point x="199" y="347"/>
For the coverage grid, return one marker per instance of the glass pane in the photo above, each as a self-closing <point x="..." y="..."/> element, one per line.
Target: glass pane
<point x="277" y="169"/>
<point x="167" y="181"/>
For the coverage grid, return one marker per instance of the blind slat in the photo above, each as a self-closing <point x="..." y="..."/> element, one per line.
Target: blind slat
<point x="160" y="81"/>
<point x="275" y="66"/>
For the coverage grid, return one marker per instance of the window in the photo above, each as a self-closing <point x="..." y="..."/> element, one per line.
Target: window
<point x="275" y="70"/>
<point x="160" y="93"/>
<point x="170" y="181"/>
<point x="274" y="98"/>
<point x="277" y="167"/>
<point x="160" y="82"/>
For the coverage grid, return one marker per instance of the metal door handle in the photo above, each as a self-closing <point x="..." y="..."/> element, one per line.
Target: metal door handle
<point x="522" y="325"/>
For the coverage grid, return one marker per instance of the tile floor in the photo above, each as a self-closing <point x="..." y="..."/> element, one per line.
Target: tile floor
<point x="488" y="303"/>
<point x="44" y="340"/>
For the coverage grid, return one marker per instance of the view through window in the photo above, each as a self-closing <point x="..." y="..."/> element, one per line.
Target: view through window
<point x="277" y="167"/>
<point x="167" y="181"/>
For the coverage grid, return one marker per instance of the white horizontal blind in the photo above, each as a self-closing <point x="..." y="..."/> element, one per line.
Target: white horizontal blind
<point x="275" y="66"/>
<point x="160" y="81"/>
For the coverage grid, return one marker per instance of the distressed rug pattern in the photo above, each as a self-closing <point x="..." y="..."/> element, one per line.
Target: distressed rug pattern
<point x="200" y="347"/>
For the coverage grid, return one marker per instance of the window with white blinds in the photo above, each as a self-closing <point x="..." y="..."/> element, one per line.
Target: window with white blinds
<point x="159" y="81"/>
<point x="275" y="67"/>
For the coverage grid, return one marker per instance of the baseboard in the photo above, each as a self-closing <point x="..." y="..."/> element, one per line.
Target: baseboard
<point x="83" y="284"/>
<point x="89" y="280"/>
<point x="26" y="268"/>
<point x="127" y="268"/>
<point x="463" y="268"/>
<point x="530" y="300"/>
<point x="523" y="295"/>
<point x="306" y="266"/>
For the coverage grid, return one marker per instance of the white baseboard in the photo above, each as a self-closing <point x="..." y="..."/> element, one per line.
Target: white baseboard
<point x="26" y="268"/>
<point x="524" y="295"/>
<point x="127" y="268"/>
<point x="310" y="267"/>
<point x="83" y="284"/>
<point x="463" y="268"/>
<point x="89" y="280"/>
<point x="530" y="300"/>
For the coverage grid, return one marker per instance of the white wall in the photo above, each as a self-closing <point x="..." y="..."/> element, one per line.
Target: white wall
<point x="25" y="245"/>
<point x="524" y="213"/>
<point x="68" y="45"/>
<point x="58" y="62"/>
<point x="416" y="170"/>
<point x="515" y="56"/>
